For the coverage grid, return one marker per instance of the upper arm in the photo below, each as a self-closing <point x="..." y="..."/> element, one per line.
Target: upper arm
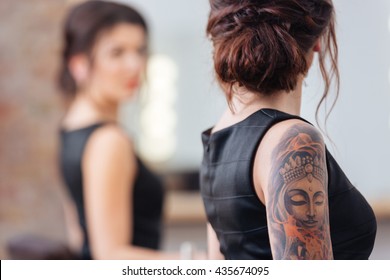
<point x="109" y="169"/>
<point x="292" y="175"/>
<point x="214" y="252"/>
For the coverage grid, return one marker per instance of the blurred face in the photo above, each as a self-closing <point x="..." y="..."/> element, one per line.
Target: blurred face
<point x="118" y="63"/>
<point x="305" y="201"/>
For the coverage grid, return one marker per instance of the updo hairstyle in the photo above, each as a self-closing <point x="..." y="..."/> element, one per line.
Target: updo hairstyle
<point x="262" y="45"/>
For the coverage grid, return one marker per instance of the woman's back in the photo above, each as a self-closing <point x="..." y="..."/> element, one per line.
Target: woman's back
<point x="239" y="217"/>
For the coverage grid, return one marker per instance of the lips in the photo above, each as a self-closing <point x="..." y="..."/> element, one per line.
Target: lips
<point x="132" y="84"/>
<point x="310" y="223"/>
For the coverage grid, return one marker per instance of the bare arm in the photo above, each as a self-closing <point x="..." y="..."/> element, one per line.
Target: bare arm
<point x="291" y="178"/>
<point x="109" y="168"/>
<point x="74" y="234"/>
<point x="214" y="252"/>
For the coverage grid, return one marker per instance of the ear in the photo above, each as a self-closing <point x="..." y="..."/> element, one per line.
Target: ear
<point x="79" y="68"/>
<point x="317" y="46"/>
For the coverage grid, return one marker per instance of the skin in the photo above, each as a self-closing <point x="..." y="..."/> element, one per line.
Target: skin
<point x="306" y="203"/>
<point x="213" y="245"/>
<point x="119" y="62"/>
<point x="109" y="163"/>
<point x="298" y="224"/>
<point x="109" y="78"/>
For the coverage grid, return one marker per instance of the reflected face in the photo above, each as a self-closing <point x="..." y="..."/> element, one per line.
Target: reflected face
<point x="305" y="201"/>
<point x="118" y="62"/>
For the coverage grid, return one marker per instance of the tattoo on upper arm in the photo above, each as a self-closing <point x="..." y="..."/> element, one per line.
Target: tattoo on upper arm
<point x="298" y="200"/>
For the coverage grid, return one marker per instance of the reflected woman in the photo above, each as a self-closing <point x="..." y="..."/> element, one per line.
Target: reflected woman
<point x="119" y="201"/>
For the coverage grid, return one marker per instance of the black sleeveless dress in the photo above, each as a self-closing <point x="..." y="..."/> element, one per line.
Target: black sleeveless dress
<point x="239" y="217"/>
<point x="147" y="197"/>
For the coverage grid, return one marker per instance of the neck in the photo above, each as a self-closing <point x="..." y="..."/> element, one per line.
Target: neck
<point x="247" y="103"/>
<point x="85" y="110"/>
<point x="288" y="102"/>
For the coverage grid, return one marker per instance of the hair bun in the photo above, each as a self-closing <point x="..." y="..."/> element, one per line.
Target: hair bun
<point x="252" y="15"/>
<point x="262" y="45"/>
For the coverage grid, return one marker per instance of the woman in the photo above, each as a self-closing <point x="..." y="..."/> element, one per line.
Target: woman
<point x="118" y="200"/>
<point x="270" y="187"/>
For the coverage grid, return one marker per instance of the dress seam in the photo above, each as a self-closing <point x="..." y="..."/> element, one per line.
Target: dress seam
<point x="227" y="197"/>
<point x="224" y="162"/>
<point x="240" y="232"/>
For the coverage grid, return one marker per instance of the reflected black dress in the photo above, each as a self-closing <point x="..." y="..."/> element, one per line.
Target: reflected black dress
<point x="239" y="217"/>
<point x="147" y="197"/>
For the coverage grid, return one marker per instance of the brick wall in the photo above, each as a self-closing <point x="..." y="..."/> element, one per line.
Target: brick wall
<point x="30" y="110"/>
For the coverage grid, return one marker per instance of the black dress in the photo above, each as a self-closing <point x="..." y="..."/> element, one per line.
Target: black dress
<point x="147" y="197"/>
<point x="239" y="217"/>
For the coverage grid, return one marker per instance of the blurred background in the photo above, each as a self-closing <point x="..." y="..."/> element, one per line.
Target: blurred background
<point x="181" y="100"/>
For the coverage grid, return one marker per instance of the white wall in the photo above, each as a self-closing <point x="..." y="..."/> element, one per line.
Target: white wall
<point x="178" y="30"/>
<point x="359" y="125"/>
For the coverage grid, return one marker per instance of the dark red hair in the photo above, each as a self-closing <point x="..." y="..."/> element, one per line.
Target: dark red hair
<point x="262" y="44"/>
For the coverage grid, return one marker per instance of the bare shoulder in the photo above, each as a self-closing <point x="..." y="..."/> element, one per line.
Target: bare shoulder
<point x="286" y="129"/>
<point x="111" y="137"/>
<point x="285" y="141"/>
<point x="109" y="142"/>
<point x="278" y="138"/>
<point x="288" y="145"/>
